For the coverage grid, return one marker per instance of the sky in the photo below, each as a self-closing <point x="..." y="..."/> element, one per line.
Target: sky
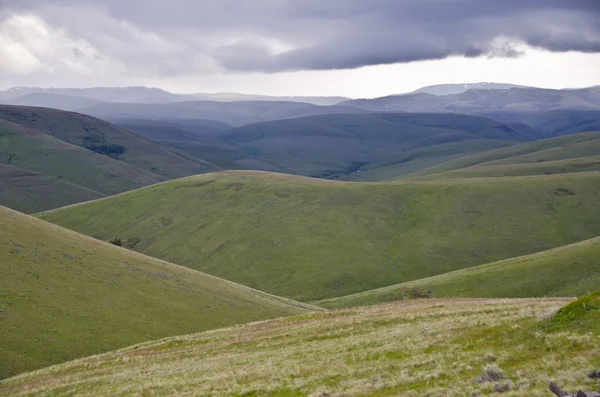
<point x="354" y="48"/>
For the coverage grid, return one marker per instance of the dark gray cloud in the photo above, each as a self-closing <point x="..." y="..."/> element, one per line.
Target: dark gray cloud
<point x="283" y="35"/>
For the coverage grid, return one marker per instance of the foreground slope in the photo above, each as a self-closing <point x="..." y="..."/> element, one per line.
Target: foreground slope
<point x="30" y="192"/>
<point x="566" y="154"/>
<point x="64" y="295"/>
<point x="311" y="239"/>
<point x="572" y="270"/>
<point x="107" y="139"/>
<point x="413" y="348"/>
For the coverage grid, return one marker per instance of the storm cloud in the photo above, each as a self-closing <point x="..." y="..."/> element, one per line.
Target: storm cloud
<point x="176" y="37"/>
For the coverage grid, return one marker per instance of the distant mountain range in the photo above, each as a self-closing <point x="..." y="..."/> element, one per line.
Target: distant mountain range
<point x="473" y="101"/>
<point x="473" y="98"/>
<point x="77" y="98"/>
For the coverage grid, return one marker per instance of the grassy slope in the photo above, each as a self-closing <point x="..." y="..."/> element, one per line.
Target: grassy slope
<point x="312" y="239"/>
<point x="562" y="148"/>
<point x="422" y="158"/>
<point x="583" y="314"/>
<point x="35" y="151"/>
<point x="29" y="192"/>
<point x="413" y="348"/>
<point x="64" y="295"/>
<point x="81" y="130"/>
<point x="572" y="270"/>
<point x="500" y="168"/>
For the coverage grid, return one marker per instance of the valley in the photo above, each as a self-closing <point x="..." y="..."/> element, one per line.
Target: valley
<point x="231" y="244"/>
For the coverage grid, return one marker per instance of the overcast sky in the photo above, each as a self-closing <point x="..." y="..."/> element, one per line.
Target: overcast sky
<point x="357" y="48"/>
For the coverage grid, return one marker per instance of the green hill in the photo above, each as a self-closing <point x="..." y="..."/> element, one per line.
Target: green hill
<point x="572" y="270"/>
<point x="311" y="239"/>
<point x="570" y="153"/>
<point x="335" y="145"/>
<point x="29" y="192"/>
<point x="35" y="151"/>
<point x="64" y="295"/>
<point x="428" y="347"/>
<point x="104" y="138"/>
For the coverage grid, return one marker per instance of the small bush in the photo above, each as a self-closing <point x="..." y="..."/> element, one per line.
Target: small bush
<point x="131" y="242"/>
<point x="115" y="241"/>
<point x="501" y="389"/>
<point x="491" y="373"/>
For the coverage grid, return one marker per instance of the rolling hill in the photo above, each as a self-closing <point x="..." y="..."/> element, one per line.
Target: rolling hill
<point x="30" y="192"/>
<point x="33" y="150"/>
<point x="432" y="347"/>
<point x="566" y="154"/>
<point x="412" y="161"/>
<point x="572" y="270"/>
<point x="337" y="145"/>
<point x="311" y="239"/>
<point x="107" y="139"/>
<point x="64" y="295"/>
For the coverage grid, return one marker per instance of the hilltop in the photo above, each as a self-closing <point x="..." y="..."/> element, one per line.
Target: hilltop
<point x="571" y="270"/>
<point x="64" y="295"/>
<point x="310" y="239"/>
<point x="411" y="348"/>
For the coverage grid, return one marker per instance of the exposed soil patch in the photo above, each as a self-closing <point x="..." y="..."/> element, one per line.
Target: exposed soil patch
<point x="236" y="186"/>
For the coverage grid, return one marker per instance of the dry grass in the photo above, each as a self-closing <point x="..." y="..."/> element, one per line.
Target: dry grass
<point x="411" y="348"/>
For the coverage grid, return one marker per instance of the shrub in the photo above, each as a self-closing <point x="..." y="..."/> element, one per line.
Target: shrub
<point x="115" y="241"/>
<point x="491" y="373"/>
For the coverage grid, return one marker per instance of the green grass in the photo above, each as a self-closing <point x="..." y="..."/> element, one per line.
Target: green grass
<point x="572" y="270"/>
<point x="31" y="192"/>
<point x="500" y="169"/>
<point x="583" y="314"/>
<point x="414" y="348"/>
<point x="35" y="151"/>
<point x="538" y="157"/>
<point x="86" y="131"/>
<point x="64" y="295"/>
<point x="310" y="239"/>
<point x="422" y="158"/>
